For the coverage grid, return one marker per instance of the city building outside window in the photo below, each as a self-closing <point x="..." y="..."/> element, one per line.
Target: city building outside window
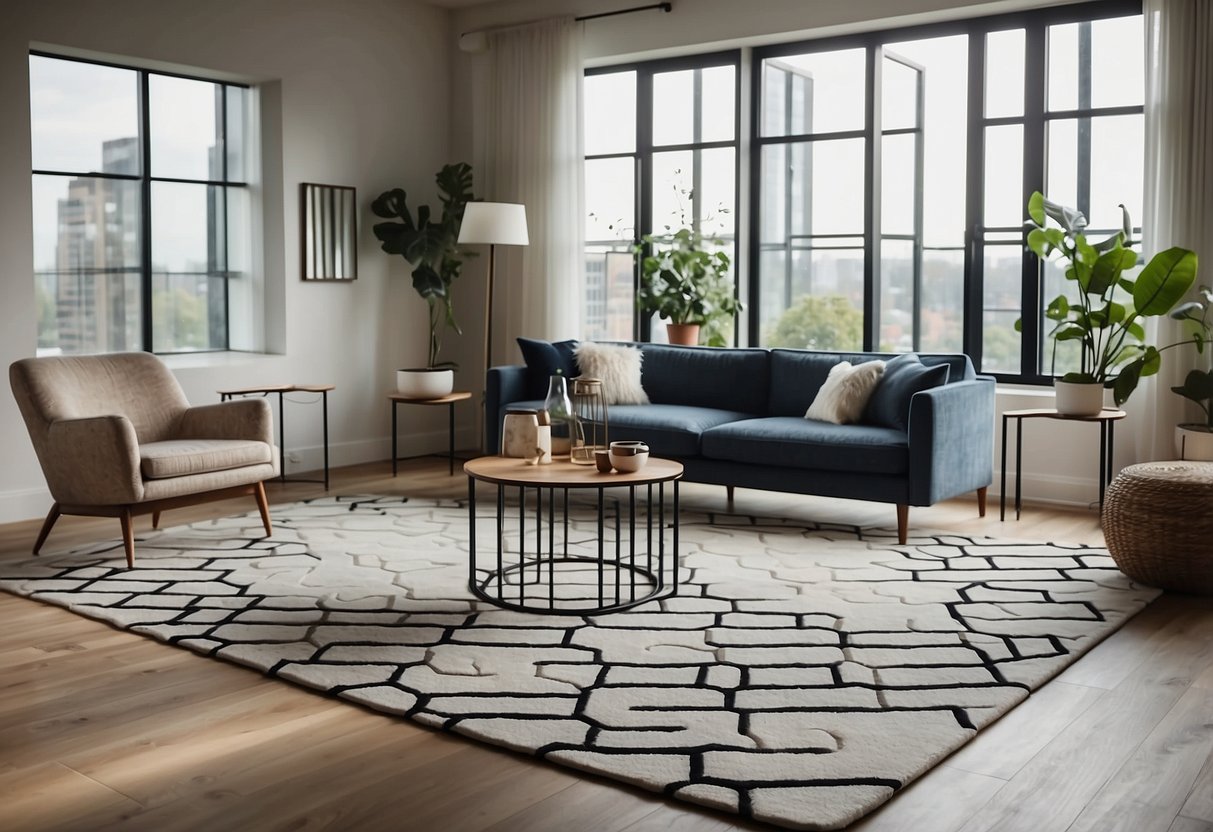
<point x="140" y="209"/>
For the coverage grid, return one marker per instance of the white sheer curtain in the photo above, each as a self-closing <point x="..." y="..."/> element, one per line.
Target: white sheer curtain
<point x="528" y="140"/>
<point x="1178" y="191"/>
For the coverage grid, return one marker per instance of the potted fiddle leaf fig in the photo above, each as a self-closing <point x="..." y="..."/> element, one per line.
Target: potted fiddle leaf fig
<point x="429" y="244"/>
<point x="1104" y="307"/>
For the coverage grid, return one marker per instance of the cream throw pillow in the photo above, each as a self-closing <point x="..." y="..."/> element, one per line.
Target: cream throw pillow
<point x="844" y="395"/>
<point x="617" y="367"/>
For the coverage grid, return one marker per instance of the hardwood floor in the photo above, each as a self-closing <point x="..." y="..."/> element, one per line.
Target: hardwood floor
<point x="101" y="729"/>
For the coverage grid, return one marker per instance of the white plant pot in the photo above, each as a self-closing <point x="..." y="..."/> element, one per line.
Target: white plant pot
<point x="1194" y="442"/>
<point x="1076" y="399"/>
<point x="425" y="383"/>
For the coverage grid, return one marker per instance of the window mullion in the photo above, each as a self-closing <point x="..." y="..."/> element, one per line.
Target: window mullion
<point x="1033" y="180"/>
<point x="974" y="285"/>
<point x="145" y="219"/>
<point x="642" y="325"/>
<point x="871" y="208"/>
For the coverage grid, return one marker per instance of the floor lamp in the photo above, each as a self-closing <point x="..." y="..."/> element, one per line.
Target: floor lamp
<point x="494" y="224"/>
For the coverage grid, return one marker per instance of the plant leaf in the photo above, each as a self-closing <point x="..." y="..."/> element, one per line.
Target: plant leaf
<point x="1036" y="207"/>
<point x="1164" y="281"/>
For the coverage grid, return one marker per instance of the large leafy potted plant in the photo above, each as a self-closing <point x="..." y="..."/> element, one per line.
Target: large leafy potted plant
<point x="1104" y="307"/>
<point x="1194" y="440"/>
<point x="429" y="244"/>
<point x="687" y="284"/>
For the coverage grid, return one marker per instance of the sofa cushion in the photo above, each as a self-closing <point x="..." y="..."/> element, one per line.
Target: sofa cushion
<point x="794" y="442"/>
<point x="904" y="376"/>
<point x="182" y="457"/>
<point x="669" y="430"/>
<point x="543" y="359"/>
<point x="713" y="377"/>
<point x="842" y="398"/>
<point x="617" y="366"/>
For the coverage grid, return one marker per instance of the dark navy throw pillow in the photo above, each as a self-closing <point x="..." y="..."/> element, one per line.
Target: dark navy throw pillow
<point x="543" y="359"/>
<point x="903" y="376"/>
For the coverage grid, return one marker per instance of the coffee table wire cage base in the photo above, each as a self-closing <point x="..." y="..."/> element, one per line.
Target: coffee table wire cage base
<point x="545" y="565"/>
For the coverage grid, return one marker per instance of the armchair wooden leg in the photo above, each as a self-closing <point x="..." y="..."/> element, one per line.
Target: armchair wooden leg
<point x="728" y="490"/>
<point x="49" y="523"/>
<point x="128" y="536"/>
<point x="981" y="501"/>
<point x="264" y="507"/>
<point x="155" y="519"/>
<point x="903" y="523"/>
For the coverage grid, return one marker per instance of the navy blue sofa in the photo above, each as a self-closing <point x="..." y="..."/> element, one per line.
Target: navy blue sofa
<point x="735" y="417"/>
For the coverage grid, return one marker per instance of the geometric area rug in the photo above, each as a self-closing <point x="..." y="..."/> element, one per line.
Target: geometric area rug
<point x="802" y="675"/>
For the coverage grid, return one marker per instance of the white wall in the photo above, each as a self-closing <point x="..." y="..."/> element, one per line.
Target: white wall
<point x="1060" y="460"/>
<point x="364" y="91"/>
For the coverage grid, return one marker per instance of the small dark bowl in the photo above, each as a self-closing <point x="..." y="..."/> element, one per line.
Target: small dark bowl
<point x="602" y="459"/>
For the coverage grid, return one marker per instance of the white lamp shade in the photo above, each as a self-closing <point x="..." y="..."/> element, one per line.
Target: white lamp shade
<point x="499" y="223"/>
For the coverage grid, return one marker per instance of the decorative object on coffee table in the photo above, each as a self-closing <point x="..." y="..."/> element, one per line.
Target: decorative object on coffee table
<point x="589" y="421"/>
<point x="560" y="414"/>
<point x="1158" y="523"/>
<point x="547" y="570"/>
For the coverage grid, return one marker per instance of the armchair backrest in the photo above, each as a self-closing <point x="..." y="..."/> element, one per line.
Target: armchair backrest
<point x="136" y="385"/>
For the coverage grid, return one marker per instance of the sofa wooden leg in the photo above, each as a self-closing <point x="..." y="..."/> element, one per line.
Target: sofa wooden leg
<point x="128" y="536"/>
<point x="903" y="523"/>
<point x="155" y="519"/>
<point x="49" y="523"/>
<point x="264" y="507"/>
<point x="981" y="501"/>
<point x="728" y="490"/>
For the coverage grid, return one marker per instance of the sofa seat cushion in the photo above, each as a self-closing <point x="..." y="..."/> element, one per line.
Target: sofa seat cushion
<point x="669" y="429"/>
<point x="793" y="442"/>
<point x="182" y="457"/>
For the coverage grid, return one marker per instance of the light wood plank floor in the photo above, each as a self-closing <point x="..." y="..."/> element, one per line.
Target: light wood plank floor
<point x="100" y="729"/>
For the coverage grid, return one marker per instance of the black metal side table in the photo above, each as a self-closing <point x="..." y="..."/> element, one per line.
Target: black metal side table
<point x="1106" y="418"/>
<point x="537" y="567"/>
<point x="449" y="400"/>
<point x="282" y="390"/>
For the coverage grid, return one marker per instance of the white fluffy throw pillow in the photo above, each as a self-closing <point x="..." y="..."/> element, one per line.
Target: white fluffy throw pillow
<point x="617" y="367"/>
<point x="844" y="395"/>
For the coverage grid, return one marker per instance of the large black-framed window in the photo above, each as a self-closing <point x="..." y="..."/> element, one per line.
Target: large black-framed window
<point x="890" y="170"/>
<point x="140" y="206"/>
<point x="662" y="144"/>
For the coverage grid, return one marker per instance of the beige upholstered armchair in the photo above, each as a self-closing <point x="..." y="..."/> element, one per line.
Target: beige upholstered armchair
<point x="116" y="437"/>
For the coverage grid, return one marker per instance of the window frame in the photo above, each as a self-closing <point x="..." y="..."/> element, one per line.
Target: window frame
<point x="146" y="180"/>
<point x="644" y="151"/>
<point x="1035" y="118"/>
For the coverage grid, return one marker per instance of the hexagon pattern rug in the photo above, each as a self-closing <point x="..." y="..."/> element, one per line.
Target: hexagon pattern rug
<point x="801" y="677"/>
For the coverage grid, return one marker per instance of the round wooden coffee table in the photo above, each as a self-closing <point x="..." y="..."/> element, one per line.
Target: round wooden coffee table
<point x="552" y="563"/>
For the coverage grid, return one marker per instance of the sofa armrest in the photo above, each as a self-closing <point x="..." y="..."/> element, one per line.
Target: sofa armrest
<point x="951" y="438"/>
<point x="93" y="462"/>
<point x="502" y="386"/>
<point x="249" y="419"/>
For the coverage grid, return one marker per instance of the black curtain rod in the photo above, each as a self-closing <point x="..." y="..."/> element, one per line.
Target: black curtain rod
<point x="665" y="7"/>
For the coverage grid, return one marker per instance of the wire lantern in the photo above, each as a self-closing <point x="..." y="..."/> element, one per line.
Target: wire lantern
<point x="589" y="421"/>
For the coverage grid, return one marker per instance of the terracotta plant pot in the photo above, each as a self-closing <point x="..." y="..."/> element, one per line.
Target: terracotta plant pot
<point x="425" y="383"/>
<point x="686" y="335"/>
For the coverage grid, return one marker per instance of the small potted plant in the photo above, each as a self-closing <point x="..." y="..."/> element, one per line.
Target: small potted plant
<point x="1194" y="440"/>
<point x="685" y="282"/>
<point x="1104" y="309"/>
<point x="429" y="245"/>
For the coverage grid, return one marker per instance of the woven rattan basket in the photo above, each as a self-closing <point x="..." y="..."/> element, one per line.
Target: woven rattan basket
<point x="1158" y="523"/>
